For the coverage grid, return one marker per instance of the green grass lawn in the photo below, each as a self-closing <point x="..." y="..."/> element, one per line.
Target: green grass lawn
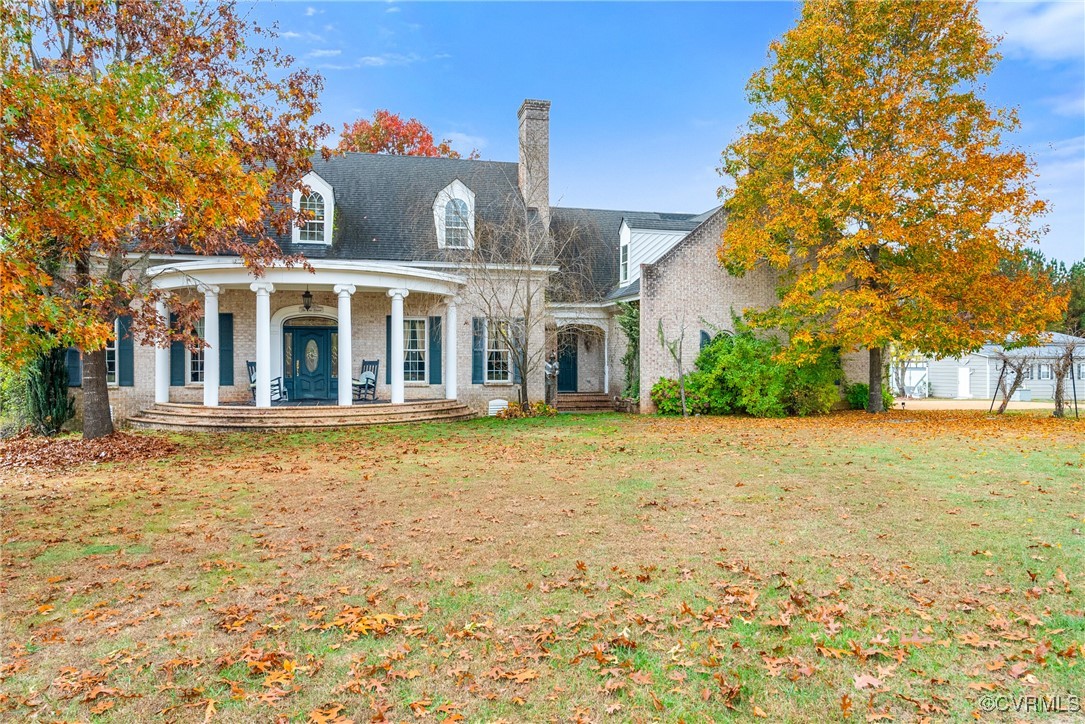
<point x="595" y="568"/>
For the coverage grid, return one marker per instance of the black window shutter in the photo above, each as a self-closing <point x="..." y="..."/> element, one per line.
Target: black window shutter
<point x="226" y="349"/>
<point x="177" y="358"/>
<point x="388" y="349"/>
<point x="519" y="344"/>
<point x="126" y="376"/>
<point x="74" y="362"/>
<point x="435" y="350"/>
<point x="478" y="353"/>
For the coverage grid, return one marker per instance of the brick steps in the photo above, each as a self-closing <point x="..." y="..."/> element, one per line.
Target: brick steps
<point x="196" y="418"/>
<point x="584" y="402"/>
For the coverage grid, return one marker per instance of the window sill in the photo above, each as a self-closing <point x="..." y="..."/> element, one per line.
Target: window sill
<point x="415" y="384"/>
<point x="499" y="384"/>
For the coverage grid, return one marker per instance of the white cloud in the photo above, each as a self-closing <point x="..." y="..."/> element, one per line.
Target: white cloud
<point x="465" y="142"/>
<point x="292" y="35"/>
<point x="1038" y="30"/>
<point x="385" y="59"/>
<point x="311" y="11"/>
<point x="1060" y="170"/>
<point x="325" y="53"/>
<point x="1067" y="104"/>
<point x="392" y="9"/>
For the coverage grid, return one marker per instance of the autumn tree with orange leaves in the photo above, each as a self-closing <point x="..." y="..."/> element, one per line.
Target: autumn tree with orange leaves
<point x="131" y="130"/>
<point x="389" y="133"/>
<point x="878" y="183"/>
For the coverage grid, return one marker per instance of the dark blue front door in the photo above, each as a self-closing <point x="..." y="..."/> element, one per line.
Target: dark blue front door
<point x="312" y="352"/>
<point x="567" y="372"/>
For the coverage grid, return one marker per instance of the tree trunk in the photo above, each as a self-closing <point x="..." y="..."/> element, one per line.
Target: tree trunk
<point x="96" y="419"/>
<point x="874" y="399"/>
<point x="1060" y="394"/>
<point x="523" y="376"/>
<point x="1007" y="394"/>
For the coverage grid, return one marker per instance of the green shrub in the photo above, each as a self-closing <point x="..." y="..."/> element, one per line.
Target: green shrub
<point x="668" y="397"/>
<point x="858" y="394"/>
<point x="48" y="401"/>
<point x="14" y="414"/>
<point x="741" y="373"/>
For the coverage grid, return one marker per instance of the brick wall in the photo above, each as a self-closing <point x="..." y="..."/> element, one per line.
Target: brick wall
<point x="688" y="287"/>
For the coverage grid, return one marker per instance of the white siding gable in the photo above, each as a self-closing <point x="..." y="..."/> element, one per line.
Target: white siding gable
<point x="645" y="246"/>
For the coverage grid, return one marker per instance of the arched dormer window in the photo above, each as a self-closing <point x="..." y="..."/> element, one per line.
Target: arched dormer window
<point x="312" y="231"/>
<point x="319" y="208"/>
<point x="454" y="216"/>
<point x="456" y="232"/>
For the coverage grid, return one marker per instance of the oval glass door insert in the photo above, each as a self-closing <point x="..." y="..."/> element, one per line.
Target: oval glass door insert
<point x="312" y="355"/>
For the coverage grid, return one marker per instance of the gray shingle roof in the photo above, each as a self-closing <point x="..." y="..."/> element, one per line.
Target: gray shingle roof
<point x="384" y="211"/>
<point x="384" y="204"/>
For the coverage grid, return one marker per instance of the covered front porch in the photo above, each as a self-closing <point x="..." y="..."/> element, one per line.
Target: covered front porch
<point x="298" y="338"/>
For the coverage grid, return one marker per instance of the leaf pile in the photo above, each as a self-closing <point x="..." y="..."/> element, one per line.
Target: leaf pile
<point x="34" y="452"/>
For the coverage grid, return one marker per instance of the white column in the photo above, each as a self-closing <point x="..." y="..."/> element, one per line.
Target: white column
<point x="606" y="362"/>
<point x="345" y="361"/>
<point x="396" y="362"/>
<point x="162" y="360"/>
<point x="211" y="351"/>
<point x="451" y="332"/>
<point x="263" y="342"/>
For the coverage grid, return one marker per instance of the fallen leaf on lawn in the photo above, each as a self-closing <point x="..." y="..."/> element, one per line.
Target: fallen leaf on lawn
<point x="865" y="681"/>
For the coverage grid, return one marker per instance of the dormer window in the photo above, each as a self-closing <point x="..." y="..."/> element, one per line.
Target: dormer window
<point x="313" y="230"/>
<point x="454" y="216"/>
<point x="319" y="207"/>
<point x="456" y="231"/>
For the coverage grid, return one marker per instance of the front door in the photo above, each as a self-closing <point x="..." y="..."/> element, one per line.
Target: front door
<point x="312" y="363"/>
<point x="567" y="343"/>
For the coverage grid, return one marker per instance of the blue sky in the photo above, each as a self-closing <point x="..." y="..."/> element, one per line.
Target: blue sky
<point x="646" y="95"/>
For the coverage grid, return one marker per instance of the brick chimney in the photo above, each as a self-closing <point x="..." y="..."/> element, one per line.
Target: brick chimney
<point x="535" y="156"/>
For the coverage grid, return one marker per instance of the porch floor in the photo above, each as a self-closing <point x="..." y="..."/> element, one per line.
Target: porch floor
<point x="239" y="417"/>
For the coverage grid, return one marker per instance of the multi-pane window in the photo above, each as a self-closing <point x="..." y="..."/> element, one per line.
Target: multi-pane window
<point x="497" y="351"/>
<point x="195" y="359"/>
<point x="456" y="229"/>
<point x="1081" y="370"/>
<point x="111" y="357"/>
<point x="625" y="263"/>
<point x="1045" y="372"/>
<point x="414" y="350"/>
<point x="313" y="229"/>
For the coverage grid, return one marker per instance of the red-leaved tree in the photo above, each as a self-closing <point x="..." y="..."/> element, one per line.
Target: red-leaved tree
<point x="389" y="133"/>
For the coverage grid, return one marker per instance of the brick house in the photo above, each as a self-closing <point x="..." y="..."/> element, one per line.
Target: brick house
<point x="394" y="244"/>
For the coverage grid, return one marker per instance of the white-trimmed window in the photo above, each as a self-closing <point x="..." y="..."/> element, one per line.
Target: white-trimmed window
<point x="624" y="263"/>
<point x="457" y="234"/>
<point x="1045" y="372"/>
<point x="414" y="350"/>
<point x="498" y="356"/>
<point x="111" y="355"/>
<point x="312" y="231"/>
<point x="195" y="359"/>
<point x="1081" y="370"/>
<point x="319" y="208"/>
<point x="454" y="216"/>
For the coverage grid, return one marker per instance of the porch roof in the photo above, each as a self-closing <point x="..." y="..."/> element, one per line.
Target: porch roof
<point x="231" y="273"/>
